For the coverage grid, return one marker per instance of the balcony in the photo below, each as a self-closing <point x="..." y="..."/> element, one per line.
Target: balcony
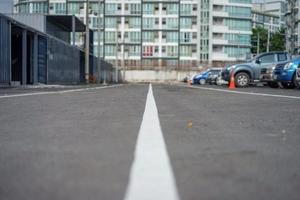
<point x="219" y="41"/>
<point x="220" y="28"/>
<point x="220" y="56"/>
<point x="150" y="55"/>
<point x="192" y="13"/>
<point x="220" y="2"/>
<point x="220" y="14"/>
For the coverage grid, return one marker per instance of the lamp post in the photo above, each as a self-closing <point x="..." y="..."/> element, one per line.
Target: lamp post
<point x="99" y="40"/>
<point x="117" y="48"/>
<point x="87" y="43"/>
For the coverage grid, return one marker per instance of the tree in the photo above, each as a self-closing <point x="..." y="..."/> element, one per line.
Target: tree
<point x="261" y="34"/>
<point x="277" y="41"/>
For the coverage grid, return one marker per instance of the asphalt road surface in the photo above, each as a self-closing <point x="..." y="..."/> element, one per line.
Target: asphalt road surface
<point x="120" y="143"/>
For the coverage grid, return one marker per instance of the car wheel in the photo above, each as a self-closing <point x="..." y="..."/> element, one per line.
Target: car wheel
<point x="242" y="79"/>
<point x="273" y="85"/>
<point x="218" y="81"/>
<point x="287" y="85"/>
<point x="202" y="81"/>
<point x="296" y="83"/>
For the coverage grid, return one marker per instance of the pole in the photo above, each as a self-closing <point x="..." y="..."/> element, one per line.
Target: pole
<point x="99" y="47"/>
<point x="123" y="57"/>
<point x="268" y="42"/>
<point x="87" y="43"/>
<point x="117" y="48"/>
<point x="258" y="43"/>
<point x="239" y="54"/>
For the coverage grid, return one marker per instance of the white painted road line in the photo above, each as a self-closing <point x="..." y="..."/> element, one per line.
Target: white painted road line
<point x="240" y="92"/>
<point x="151" y="176"/>
<point x="57" y="92"/>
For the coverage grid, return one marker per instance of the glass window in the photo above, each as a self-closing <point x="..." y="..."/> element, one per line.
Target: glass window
<point x="110" y="22"/>
<point x="148" y="22"/>
<point x="74" y="8"/>
<point x="111" y="8"/>
<point x="110" y="50"/>
<point x="267" y="59"/>
<point x="185" y="9"/>
<point x="134" y="22"/>
<point x="135" y="8"/>
<point x="282" y="57"/>
<point x="148" y="8"/>
<point x="186" y="23"/>
<point x="172" y="9"/>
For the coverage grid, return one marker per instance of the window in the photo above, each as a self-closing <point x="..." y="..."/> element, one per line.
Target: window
<point x="59" y="8"/>
<point x="185" y="51"/>
<point x="135" y="8"/>
<point x="148" y="9"/>
<point x="185" y="37"/>
<point x="135" y="36"/>
<point x="236" y="11"/>
<point x="110" y="22"/>
<point x="267" y="59"/>
<point x="110" y="50"/>
<point x="172" y="9"/>
<point x="74" y="8"/>
<point x="134" y="50"/>
<point x="134" y="22"/>
<point x="185" y="9"/>
<point x="172" y="36"/>
<point x="282" y="57"/>
<point x="148" y="36"/>
<point x="111" y="8"/>
<point x="148" y="50"/>
<point x="148" y="23"/>
<point x="172" y="50"/>
<point x="236" y="24"/>
<point x="110" y="36"/>
<point x="186" y="23"/>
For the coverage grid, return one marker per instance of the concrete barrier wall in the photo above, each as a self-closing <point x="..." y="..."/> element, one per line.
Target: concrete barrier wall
<point x="154" y="75"/>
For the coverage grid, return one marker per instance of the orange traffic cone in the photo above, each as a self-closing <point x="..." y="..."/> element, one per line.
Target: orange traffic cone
<point x="231" y="83"/>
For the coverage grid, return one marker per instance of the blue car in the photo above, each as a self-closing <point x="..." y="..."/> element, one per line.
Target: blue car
<point x="202" y="77"/>
<point x="286" y="75"/>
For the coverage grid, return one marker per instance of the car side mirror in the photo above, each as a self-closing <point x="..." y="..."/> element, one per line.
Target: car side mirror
<point x="257" y="61"/>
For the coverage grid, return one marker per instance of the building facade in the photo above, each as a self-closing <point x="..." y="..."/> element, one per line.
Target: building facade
<point x="145" y="34"/>
<point x="231" y="30"/>
<point x="268" y="21"/>
<point x="271" y="7"/>
<point x="292" y="26"/>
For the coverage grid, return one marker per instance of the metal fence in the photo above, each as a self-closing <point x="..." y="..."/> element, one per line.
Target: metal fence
<point x="4" y="51"/>
<point x="106" y="70"/>
<point x="63" y="63"/>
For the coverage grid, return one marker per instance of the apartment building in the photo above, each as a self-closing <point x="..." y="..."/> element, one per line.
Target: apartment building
<point x="271" y="7"/>
<point x="292" y="26"/>
<point x="231" y="30"/>
<point x="268" y="21"/>
<point x="145" y="34"/>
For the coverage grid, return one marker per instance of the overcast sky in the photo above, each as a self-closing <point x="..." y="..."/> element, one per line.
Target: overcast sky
<point x="6" y="6"/>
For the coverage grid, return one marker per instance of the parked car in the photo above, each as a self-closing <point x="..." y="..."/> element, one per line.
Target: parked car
<point x="266" y="74"/>
<point x="298" y="75"/>
<point x="213" y="77"/>
<point x="286" y="75"/>
<point x="201" y="78"/>
<point x="250" y="72"/>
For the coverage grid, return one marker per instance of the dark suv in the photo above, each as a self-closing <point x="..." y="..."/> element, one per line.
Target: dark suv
<point x="250" y="72"/>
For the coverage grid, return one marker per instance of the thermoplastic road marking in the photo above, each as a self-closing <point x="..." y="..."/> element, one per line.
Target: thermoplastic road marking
<point x="151" y="176"/>
<point x="56" y="92"/>
<point x="249" y="93"/>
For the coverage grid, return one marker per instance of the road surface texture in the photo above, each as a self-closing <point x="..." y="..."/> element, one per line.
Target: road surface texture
<point x="188" y="143"/>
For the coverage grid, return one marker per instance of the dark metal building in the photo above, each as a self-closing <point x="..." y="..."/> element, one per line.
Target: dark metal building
<point x="30" y="56"/>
